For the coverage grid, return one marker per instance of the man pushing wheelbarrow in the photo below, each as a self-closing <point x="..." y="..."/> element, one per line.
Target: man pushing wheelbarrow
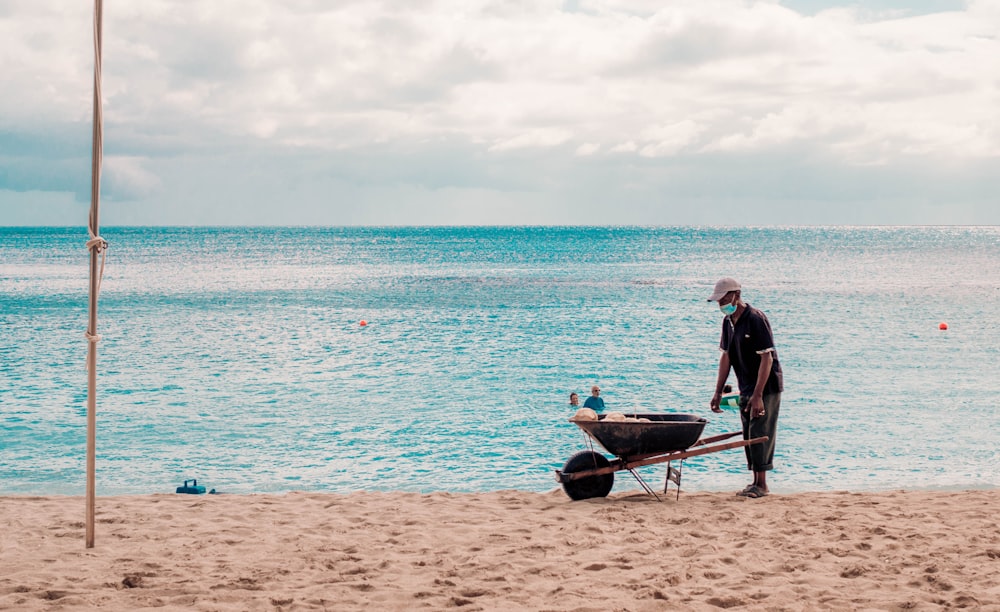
<point x="747" y="347"/>
<point x="637" y="440"/>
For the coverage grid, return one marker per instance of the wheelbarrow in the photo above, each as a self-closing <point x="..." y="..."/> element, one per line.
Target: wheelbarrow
<point x="644" y="439"/>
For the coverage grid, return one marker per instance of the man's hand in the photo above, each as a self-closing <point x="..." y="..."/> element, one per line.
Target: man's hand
<point x="714" y="404"/>
<point x="756" y="406"/>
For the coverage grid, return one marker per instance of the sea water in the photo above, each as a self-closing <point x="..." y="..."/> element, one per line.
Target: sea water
<point x="236" y="355"/>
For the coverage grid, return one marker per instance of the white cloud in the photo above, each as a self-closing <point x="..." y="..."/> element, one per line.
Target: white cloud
<point x="628" y="83"/>
<point x="126" y="178"/>
<point x="542" y="138"/>
<point x="625" y="147"/>
<point x="670" y="139"/>
<point x="368" y="72"/>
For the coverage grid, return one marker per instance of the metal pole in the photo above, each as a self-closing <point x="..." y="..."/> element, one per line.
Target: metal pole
<point x="95" y="245"/>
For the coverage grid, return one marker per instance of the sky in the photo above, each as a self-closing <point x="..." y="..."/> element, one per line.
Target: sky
<point x="504" y="112"/>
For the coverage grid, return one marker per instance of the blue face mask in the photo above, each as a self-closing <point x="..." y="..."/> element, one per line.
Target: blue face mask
<point x="727" y="309"/>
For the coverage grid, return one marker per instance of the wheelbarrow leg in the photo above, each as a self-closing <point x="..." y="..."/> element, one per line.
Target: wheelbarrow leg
<point x="643" y="483"/>
<point x="673" y="475"/>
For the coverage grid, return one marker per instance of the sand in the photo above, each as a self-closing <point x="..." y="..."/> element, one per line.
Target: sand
<point x="507" y="550"/>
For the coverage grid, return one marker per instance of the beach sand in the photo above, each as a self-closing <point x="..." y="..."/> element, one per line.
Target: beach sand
<point x="506" y="550"/>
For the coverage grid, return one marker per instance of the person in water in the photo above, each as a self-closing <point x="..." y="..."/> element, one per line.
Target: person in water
<point x="594" y="402"/>
<point x="574" y="400"/>
<point x="747" y="346"/>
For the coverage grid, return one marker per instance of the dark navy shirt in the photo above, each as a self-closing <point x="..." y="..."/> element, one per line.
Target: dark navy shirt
<point x="745" y="342"/>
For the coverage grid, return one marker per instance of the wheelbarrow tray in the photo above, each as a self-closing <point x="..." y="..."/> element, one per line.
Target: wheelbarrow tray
<point x="663" y="433"/>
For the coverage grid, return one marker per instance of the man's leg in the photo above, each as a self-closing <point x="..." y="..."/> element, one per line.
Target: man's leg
<point x="762" y="455"/>
<point x="745" y="422"/>
<point x="760" y="480"/>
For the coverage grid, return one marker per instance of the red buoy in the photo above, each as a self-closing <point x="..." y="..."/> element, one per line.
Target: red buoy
<point x="362" y="323"/>
<point x="942" y="325"/>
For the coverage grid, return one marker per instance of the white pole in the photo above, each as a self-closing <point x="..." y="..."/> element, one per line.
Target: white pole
<point x="95" y="245"/>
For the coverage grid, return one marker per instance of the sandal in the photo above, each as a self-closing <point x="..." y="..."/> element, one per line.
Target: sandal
<point x="754" y="493"/>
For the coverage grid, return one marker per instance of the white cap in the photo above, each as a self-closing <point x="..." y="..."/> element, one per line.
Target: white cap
<point x="724" y="286"/>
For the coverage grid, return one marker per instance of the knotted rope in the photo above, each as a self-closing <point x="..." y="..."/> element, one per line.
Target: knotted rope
<point x="100" y="245"/>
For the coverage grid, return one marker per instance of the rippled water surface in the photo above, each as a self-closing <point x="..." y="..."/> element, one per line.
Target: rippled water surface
<point x="235" y="356"/>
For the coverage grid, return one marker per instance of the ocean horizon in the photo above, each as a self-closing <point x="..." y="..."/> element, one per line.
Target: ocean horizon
<point x="235" y="355"/>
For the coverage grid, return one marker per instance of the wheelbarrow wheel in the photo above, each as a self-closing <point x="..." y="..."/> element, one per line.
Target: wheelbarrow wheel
<point x="592" y="486"/>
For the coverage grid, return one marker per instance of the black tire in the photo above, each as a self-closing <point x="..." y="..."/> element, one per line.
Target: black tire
<point x="592" y="486"/>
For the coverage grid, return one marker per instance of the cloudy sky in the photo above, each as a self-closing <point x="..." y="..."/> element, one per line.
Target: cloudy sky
<point x="344" y="112"/>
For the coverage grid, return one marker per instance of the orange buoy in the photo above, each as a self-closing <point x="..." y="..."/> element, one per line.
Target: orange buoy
<point x="362" y="323"/>
<point x="942" y="325"/>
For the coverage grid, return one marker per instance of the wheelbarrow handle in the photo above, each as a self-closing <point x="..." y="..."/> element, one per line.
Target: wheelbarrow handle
<point x="619" y="464"/>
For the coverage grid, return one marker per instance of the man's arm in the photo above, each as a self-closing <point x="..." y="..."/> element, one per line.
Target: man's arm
<point x="720" y="381"/>
<point x="763" y="373"/>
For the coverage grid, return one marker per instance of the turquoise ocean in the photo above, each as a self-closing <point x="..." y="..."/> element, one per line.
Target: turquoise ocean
<point x="235" y="355"/>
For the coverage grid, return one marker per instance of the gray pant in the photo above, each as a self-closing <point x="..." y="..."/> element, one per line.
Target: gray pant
<point x="760" y="457"/>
